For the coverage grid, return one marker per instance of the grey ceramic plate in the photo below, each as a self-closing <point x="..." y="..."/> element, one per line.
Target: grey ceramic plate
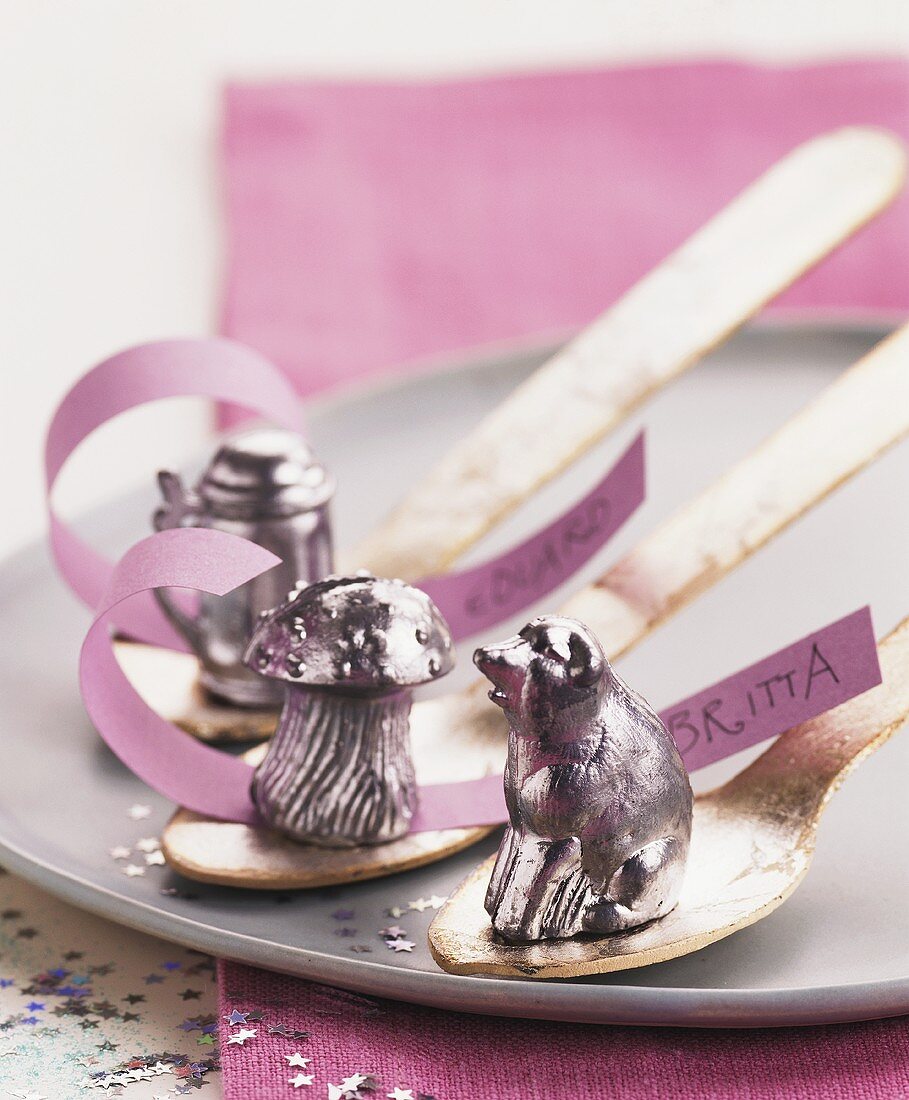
<point x="838" y="950"/>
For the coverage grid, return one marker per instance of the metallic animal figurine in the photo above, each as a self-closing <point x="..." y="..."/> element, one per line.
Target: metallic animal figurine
<point x="347" y="651"/>
<point x="598" y="798"/>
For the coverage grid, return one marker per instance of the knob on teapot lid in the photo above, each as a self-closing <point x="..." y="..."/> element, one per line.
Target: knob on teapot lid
<point x="265" y="471"/>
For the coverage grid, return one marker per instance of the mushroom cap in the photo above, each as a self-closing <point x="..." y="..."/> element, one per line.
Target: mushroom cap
<point x="356" y="633"/>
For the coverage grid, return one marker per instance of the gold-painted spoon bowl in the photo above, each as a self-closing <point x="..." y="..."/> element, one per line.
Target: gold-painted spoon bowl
<point x="752" y="845"/>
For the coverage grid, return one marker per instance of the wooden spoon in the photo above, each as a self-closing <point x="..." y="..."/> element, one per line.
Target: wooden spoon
<point x="752" y="844"/>
<point x="852" y="421"/>
<point x="781" y="225"/>
<point x="776" y="229"/>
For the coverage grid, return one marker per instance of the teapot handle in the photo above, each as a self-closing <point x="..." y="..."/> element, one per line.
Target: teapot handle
<point x="179" y="509"/>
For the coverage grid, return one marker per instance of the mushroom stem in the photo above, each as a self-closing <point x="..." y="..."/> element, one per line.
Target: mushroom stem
<point x="339" y="771"/>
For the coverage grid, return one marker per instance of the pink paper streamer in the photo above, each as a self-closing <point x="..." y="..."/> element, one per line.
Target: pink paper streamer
<point x="172" y="762"/>
<point x="805" y="679"/>
<point x="217" y="368"/>
<point x="476" y="599"/>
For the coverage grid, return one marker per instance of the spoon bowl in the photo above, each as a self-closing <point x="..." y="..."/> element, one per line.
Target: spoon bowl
<point x="752" y="844"/>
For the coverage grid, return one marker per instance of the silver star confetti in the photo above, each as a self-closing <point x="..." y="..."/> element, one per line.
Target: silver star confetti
<point x="352" y="1083"/>
<point x="131" y="870"/>
<point x="300" y="1080"/>
<point x="297" y="1060"/>
<point x="138" y="812"/>
<point x="240" y="1037"/>
<point x="148" y="844"/>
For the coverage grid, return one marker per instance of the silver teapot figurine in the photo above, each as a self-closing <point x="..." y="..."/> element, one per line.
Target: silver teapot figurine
<point x="265" y="485"/>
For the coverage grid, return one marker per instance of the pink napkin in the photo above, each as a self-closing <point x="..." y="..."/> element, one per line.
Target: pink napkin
<point x="452" y="1056"/>
<point x="373" y="224"/>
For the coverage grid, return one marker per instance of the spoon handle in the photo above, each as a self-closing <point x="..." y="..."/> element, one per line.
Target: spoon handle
<point x="779" y="227"/>
<point x="854" y="420"/>
<point x="797" y="775"/>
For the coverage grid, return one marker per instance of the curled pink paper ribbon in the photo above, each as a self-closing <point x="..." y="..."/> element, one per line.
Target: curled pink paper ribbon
<point x="172" y="762"/>
<point x="814" y="674"/>
<point x="471" y="599"/>
<point x="216" y="368"/>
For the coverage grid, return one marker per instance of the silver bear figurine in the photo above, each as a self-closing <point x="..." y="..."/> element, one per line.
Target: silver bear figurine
<point x="598" y="798"/>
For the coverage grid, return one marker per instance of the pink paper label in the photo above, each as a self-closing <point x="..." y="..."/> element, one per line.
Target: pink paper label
<point x="470" y="599"/>
<point x="216" y="368"/>
<point x="799" y="682"/>
<point x="819" y="672"/>
<point x="476" y="599"/>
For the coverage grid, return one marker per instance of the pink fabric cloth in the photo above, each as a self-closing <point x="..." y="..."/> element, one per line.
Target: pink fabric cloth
<point x="452" y="1056"/>
<point x="373" y="224"/>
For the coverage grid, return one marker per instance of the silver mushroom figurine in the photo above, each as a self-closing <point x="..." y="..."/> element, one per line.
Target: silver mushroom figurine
<point x="265" y="485"/>
<point x="599" y="802"/>
<point x="348" y="652"/>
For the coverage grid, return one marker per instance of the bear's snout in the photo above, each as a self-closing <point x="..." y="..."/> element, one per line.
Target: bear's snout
<point x="504" y="666"/>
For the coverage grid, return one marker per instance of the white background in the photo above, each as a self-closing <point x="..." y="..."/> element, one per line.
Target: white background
<point x="109" y="117"/>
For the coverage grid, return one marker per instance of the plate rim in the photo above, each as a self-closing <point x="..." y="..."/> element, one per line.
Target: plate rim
<point x="569" y="1001"/>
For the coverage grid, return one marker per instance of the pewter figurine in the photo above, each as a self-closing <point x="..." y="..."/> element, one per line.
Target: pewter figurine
<point x="348" y="650"/>
<point x="265" y="485"/>
<point x="598" y="798"/>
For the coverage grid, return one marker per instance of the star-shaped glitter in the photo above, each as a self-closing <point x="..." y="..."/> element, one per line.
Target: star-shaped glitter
<point x="344" y="914"/>
<point x="134" y="998"/>
<point x="240" y="1037"/>
<point x="148" y="844"/>
<point x="400" y="1094"/>
<point x="236" y="1017"/>
<point x="297" y="1060"/>
<point x="395" y="911"/>
<point x="300" y="1080"/>
<point x="436" y="901"/>
<point x="191" y="994"/>
<point x="170" y="966"/>
<point x="120" y="852"/>
<point x="153" y="979"/>
<point x="155" y="859"/>
<point x="400" y="945"/>
<point x="420" y="905"/>
<point x="27" y="933"/>
<point x="139" y="812"/>
<point x="132" y="870"/>
<point x="392" y="932"/>
<point x="352" y="1083"/>
<point x="35" y="1006"/>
